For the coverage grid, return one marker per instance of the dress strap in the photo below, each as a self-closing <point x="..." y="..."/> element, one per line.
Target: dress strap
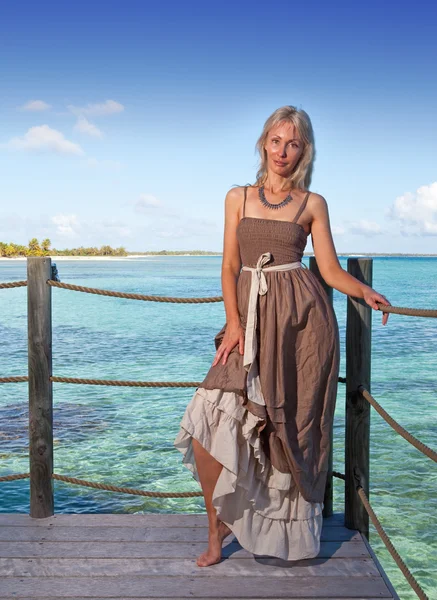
<point x="244" y="202"/>
<point x="301" y="208"/>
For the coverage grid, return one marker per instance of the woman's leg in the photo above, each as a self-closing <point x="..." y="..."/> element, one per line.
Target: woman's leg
<point x="209" y="470"/>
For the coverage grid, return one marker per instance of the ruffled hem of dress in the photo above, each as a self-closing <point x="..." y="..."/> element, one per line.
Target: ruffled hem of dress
<point x="261" y="505"/>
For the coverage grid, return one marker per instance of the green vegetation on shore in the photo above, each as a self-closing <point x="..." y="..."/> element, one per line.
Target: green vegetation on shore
<point x="34" y="248"/>
<point x="175" y="253"/>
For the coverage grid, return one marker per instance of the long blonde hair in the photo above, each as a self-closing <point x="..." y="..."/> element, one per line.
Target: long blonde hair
<point x="302" y="173"/>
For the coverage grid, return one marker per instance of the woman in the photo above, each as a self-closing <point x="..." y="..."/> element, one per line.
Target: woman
<point x="256" y="433"/>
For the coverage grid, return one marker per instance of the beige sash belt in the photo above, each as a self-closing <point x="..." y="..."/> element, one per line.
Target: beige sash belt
<point x="258" y="287"/>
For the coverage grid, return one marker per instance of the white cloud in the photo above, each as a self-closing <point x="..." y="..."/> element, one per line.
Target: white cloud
<point x="145" y="202"/>
<point x="84" y="126"/>
<point x="360" y="227"/>
<point x="35" y="106"/>
<point x="109" y="107"/>
<point x="416" y="213"/>
<point x="66" y="225"/>
<point x="44" y="138"/>
<point x="338" y="230"/>
<point x="363" y="227"/>
<point x="69" y="226"/>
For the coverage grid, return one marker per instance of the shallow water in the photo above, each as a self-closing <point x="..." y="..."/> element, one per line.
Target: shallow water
<point x="125" y="435"/>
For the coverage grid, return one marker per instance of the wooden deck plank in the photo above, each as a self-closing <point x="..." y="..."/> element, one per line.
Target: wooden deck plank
<point x="151" y="534"/>
<point x="126" y="520"/>
<point x="193" y="587"/>
<point x="152" y="556"/>
<point x="256" y="567"/>
<point x="94" y="549"/>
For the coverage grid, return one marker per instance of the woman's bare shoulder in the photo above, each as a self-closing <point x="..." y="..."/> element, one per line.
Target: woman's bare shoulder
<point x="316" y="201"/>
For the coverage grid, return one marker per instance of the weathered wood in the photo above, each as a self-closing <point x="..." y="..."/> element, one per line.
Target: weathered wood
<point x="254" y="567"/>
<point x="358" y="365"/>
<point x="140" y="534"/>
<point x="118" y="560"/>
<point x="329" y="489"/>
<point x="39" y="306"/>
<point x="380" y="569"/>
<point x="127" y="520"/>
<point x="129" y="586"/>
<point x="95" y="549"/>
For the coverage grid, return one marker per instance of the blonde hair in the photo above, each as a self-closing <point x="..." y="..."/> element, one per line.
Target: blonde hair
<point x="302" y="172"/>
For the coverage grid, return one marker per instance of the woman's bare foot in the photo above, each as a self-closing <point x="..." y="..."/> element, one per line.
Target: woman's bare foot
<point x="215" y="541"/>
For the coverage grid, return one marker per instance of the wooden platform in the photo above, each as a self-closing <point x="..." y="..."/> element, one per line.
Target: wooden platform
<point x="80" y="556"/>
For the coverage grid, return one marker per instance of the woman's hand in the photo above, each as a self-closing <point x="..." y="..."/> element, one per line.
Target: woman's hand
<point x="371" y="296"/>
<point x="234" y="335"/>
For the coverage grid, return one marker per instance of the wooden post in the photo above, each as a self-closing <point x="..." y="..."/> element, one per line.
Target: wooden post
<point x="358" y="365"/>
<point x="328" y="499"/>
<point x="39" y="314"/>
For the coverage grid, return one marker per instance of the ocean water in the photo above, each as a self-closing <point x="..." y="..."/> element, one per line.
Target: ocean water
<point x="125" y="435"/>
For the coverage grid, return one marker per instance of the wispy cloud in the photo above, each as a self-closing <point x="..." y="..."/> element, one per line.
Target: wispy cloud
<point x="109" y="107"/>
<point x="416" y="213"/>
<point x="68" y="226"/>
<point x="44" y="138"/>
<point x="146" y="202"/>
<point x="360" y="227"/>
<point x="84" y="126"/>
<point x="35" y="106"/>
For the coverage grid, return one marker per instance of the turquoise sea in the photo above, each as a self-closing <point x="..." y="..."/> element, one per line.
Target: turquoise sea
<point x="125" y="435"/>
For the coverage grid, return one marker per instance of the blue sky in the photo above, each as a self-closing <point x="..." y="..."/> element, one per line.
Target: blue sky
<point x="125" y="123"/>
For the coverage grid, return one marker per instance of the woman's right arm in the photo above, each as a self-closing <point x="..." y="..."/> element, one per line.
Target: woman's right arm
<point x="231" y="266"/>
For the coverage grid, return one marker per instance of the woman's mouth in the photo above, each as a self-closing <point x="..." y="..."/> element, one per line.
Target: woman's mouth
<point x="279" y="163"/>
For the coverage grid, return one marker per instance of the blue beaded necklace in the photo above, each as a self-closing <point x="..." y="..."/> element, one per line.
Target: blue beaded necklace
<point x="267" y="204"/>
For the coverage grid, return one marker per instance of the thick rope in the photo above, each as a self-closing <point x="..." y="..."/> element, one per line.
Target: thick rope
<point x="14" y="379"/>
<point x="126" y="383"/>
<point x="111" y="488"/>
<point x="339" y="475"/>
<point x="12" y="284"/>
<point x="114" y="382"/>
<point x="14" y="477"/>
<point x="125" y="490"/>
<point x="403" y="310"/>
<point x="398" y="428"/>
<point x="388" y="544"/>
<point x="88" y="290"/>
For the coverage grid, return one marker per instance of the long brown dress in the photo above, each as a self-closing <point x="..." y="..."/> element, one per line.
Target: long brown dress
<point x="267" y="416"/>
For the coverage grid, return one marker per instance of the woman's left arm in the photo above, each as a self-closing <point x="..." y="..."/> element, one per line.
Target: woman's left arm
<point x="327" y="260"/>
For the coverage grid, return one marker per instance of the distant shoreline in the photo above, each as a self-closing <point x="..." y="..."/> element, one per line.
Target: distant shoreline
<point x="63" y="257"/>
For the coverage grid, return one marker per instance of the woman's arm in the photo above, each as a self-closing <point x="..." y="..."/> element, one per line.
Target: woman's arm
<point x="231" y="266"/>
<point x="327" y="260"/>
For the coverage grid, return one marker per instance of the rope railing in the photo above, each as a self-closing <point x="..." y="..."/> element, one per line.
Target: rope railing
<point x="131" y="296"/>
<point x="12" y="284"/>
<point x="115" y="382"/>
<point x="107" y="487"/>
<point x="400" y="310"/>
<point x="388" y="543"/>
<point x="398" y="428"/>
<point x="411" y="312"/>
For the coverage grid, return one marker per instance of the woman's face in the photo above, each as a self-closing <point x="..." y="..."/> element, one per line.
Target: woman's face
<point x="283" y="147"/>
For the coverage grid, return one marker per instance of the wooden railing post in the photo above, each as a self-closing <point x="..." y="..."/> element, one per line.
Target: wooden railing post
<point x="358" y="371"/>
<point x="328" y="499"/>
<point x="39" y="311"/>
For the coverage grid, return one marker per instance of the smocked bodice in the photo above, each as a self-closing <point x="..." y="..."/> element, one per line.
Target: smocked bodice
<point x="285" y="240"/>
